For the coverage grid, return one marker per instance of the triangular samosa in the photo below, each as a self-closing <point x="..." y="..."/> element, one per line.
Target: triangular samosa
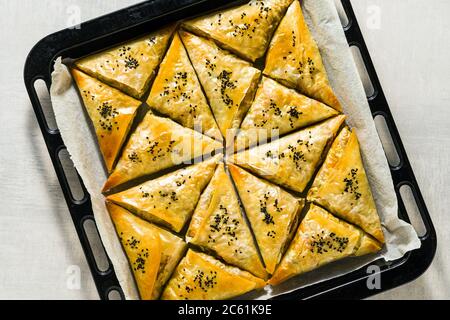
<point x="342" y="187"/>
<point x="294" y="59"/>
<point x="291" y="161"/>
<point x="171" y="199"/>
<point x="176" y="93"/>
<point x="218" y="225"/>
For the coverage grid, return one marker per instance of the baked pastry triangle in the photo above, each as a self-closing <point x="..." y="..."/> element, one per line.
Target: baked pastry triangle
<point x="292" y="160"/>
<point x="321" y="239"/>
<point x="153" y="252"/>
<point x="229" y="82"/>
<point x="158" y="143"/>
<point x="342" y="187"/>
<point x="111" y="112"/>
<point x="201" y="277"/>
<point x="171" y="199"/>
<point x="245" y="30"/>
<point x="294" y="59"/>
<point x="176" y="92"/>
<point x="279" y="109"/>
<point x="218" y="225"/>
<point x="273" y="214"/>
<point x="131" y="66"/>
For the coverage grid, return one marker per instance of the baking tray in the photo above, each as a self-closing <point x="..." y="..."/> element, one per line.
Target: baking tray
<point x="138" y="20"/>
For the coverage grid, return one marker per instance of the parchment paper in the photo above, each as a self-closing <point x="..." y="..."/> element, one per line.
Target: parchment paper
<point x="325" y="25"/>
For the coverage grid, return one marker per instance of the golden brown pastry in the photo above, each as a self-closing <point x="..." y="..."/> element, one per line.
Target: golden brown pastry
<point x="131" y="66"/>
<point x="176" y="93"/>
<point x="218" y="225"/>
<point x="158" y="143"/>
<point x="229" y="82"/>
<point x="342" y="187"/>
<point x="153" y="252"/>
<point x="111" y="113"/>
<point x="245" y="30"/>
<point x="281" y="110"/>
<point x="321" y="239"/>
<point x="294" y="59"/>
<point x="291" y="161"/>
<point x="201" y="277"/>
<point x="171" y="199"/>
<point x="273" y="214"/>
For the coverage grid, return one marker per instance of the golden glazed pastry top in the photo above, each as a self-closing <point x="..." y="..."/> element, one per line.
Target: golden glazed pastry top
<point x="321" y="239"/>
<point x="273" y="214"/>
<point x="218" y="225"/>
<point x="342" y="186"/>
<point x="111" y="112"/>
<point x="158" y="143"/>
<point x="201" y="277"/>
<point x="176" y="93"/>
<point x="229" y="82"/>
<point x="245" y="30"/>
<point x="171" y="199"/>
<point x="277" y="110"/>
<point x="292" y="160"/>
<point x="131" y="66"/>
<point x="294" y="59"/>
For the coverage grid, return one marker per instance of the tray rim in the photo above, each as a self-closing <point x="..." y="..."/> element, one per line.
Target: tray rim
<point x="39" y="65"/>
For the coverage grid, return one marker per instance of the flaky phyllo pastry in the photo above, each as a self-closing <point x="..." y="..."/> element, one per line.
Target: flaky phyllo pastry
<point x="342" y="186"/>
<point x="158" y="143"/>
<point x="229" y="82"/>
<point x="152" y="251"/>
<point x="294" y="59"/>
<point x="111" y="113"/>
<point x="218" y="225"/>
<point x="176" y="92"/>
<point x="171" y="199"/>
<point x="320" y="239"/>
<point x="132" y="65"/>
<point x="245" y="30"/>
<point x="292" y="160"/>
<point x="290" y="194"/>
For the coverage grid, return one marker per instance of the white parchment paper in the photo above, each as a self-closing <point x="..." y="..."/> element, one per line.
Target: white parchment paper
<point x="325" y="25"/>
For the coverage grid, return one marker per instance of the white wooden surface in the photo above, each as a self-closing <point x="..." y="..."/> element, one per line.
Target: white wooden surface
<point x="39" y="250"/>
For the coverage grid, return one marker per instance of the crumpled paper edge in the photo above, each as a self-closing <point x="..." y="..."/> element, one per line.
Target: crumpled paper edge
<point x="323" y="20"/>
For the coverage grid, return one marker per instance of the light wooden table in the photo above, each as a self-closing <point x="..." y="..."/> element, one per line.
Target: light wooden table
<point x="39" y="250"/>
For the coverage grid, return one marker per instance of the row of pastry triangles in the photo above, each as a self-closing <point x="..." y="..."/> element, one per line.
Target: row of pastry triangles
<point x="292" y="56"/>
<point x="341" y="185"/>
<point x="228" y="81"/>
<point x="218" y="226"/>
<point x="112" y="114"/>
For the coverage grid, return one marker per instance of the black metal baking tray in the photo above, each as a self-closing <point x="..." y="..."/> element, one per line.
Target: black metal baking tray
<point x="139" y="19"/>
